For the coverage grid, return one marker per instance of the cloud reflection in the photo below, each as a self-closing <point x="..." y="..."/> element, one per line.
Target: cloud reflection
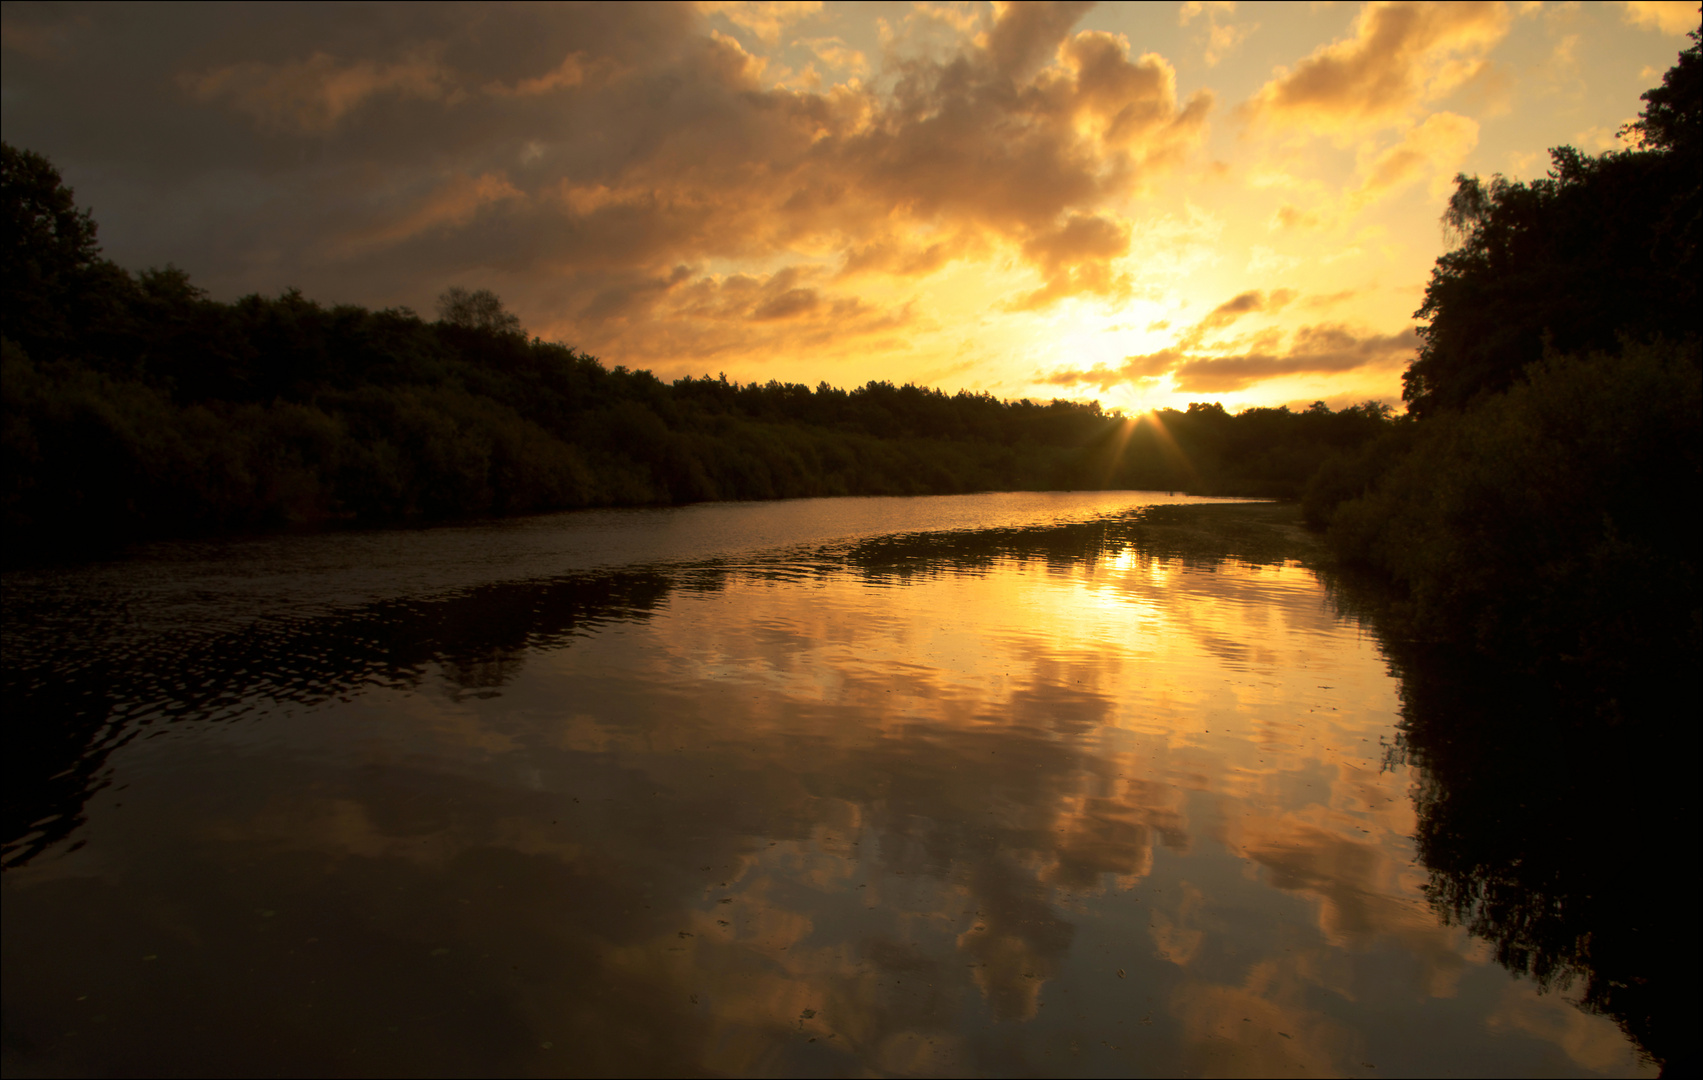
<point x="931" y="803"/>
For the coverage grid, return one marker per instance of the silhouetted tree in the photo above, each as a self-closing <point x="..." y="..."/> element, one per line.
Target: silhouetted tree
<point x="1672" y="119"/>
<point x="1602" y="247"/>
<point x="51" y="259"/>
<point x="479" y="309"/>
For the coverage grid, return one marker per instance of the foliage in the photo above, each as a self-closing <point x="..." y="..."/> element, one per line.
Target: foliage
<point x="480" y="309"/>
<point x="1355" y="473"/>
<point x="53" y="271"/>
<point x="1557" y="520"/>
<point x="1542" y="504"/>
<point x="1672" y="119"/>
<point x="1603" y="247"/>
<point x="1574" y="261"/>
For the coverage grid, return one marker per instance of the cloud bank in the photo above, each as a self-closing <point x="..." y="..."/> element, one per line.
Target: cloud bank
<point x="628" y="177"/>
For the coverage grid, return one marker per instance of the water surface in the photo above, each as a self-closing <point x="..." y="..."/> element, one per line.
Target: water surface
<point x="971" y="785"/>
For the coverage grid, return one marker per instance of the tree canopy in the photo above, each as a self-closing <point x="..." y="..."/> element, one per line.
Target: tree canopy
<point x="1602" y="248"/>
<point x="478" y="309"/>
<point x="51" y="256"/>
<point x="1545" y="503"/>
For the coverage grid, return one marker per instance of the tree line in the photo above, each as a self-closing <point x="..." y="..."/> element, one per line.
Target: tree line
<point x="136" y="406"/>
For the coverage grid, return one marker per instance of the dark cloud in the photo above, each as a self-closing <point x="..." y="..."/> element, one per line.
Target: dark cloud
<point x="1025" y="35"/>
<point x="1314" y="350"/>
<point x="1245" y="303"/>
<point x="1134" y="369"/>
<point x="573" y="157"/>
<point x="1330" y="299"/>
<point x="312" y="95"/>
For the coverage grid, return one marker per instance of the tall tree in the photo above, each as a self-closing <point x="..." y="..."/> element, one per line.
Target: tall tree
<point x="49" y="245"/>
<point x="1603" y="247"/>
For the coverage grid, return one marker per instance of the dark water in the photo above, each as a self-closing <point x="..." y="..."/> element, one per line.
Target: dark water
<point x="1010" y="784"/>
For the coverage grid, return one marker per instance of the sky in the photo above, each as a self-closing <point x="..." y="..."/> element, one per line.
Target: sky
<point x="1143" y="204"/>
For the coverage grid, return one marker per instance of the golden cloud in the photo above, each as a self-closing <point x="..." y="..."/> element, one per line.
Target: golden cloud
<point x="1331" y="299"/>
<point x="1135" y="369"/>
<point x="1668" y="16"/>
<point x="1221" y="38"/>
<point x="1289" y="216"/>
<point x="1018" y="142"/>
<point x="681" y="321"/>
<point x="574" y="70"/>
<point x="1436" y="146"/>
<point x="907" y="257"/>
<point x="763" y="18"/>
<point x="1024" y="36"/>
<point x="1075" y="258"/>
<point x="1197" y="366"/>
<point x="838" y="56"/>
<point x="1400" y="56"/>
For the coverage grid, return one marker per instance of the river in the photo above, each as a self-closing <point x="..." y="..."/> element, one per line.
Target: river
<point x="994" y="784"/>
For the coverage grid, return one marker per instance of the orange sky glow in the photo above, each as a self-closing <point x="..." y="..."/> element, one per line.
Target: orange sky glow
<point x="1144" y="204"/>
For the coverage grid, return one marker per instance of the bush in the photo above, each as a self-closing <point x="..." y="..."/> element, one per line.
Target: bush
<point x="1558" y="520"/>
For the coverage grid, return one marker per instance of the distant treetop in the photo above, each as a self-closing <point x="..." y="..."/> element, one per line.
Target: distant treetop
<point x="480" y="309"/>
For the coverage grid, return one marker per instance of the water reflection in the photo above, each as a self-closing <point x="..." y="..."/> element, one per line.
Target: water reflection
<point x="1543" y="818"/>
<point x="71" y="700"/>
<point x="1101" y="797"/>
